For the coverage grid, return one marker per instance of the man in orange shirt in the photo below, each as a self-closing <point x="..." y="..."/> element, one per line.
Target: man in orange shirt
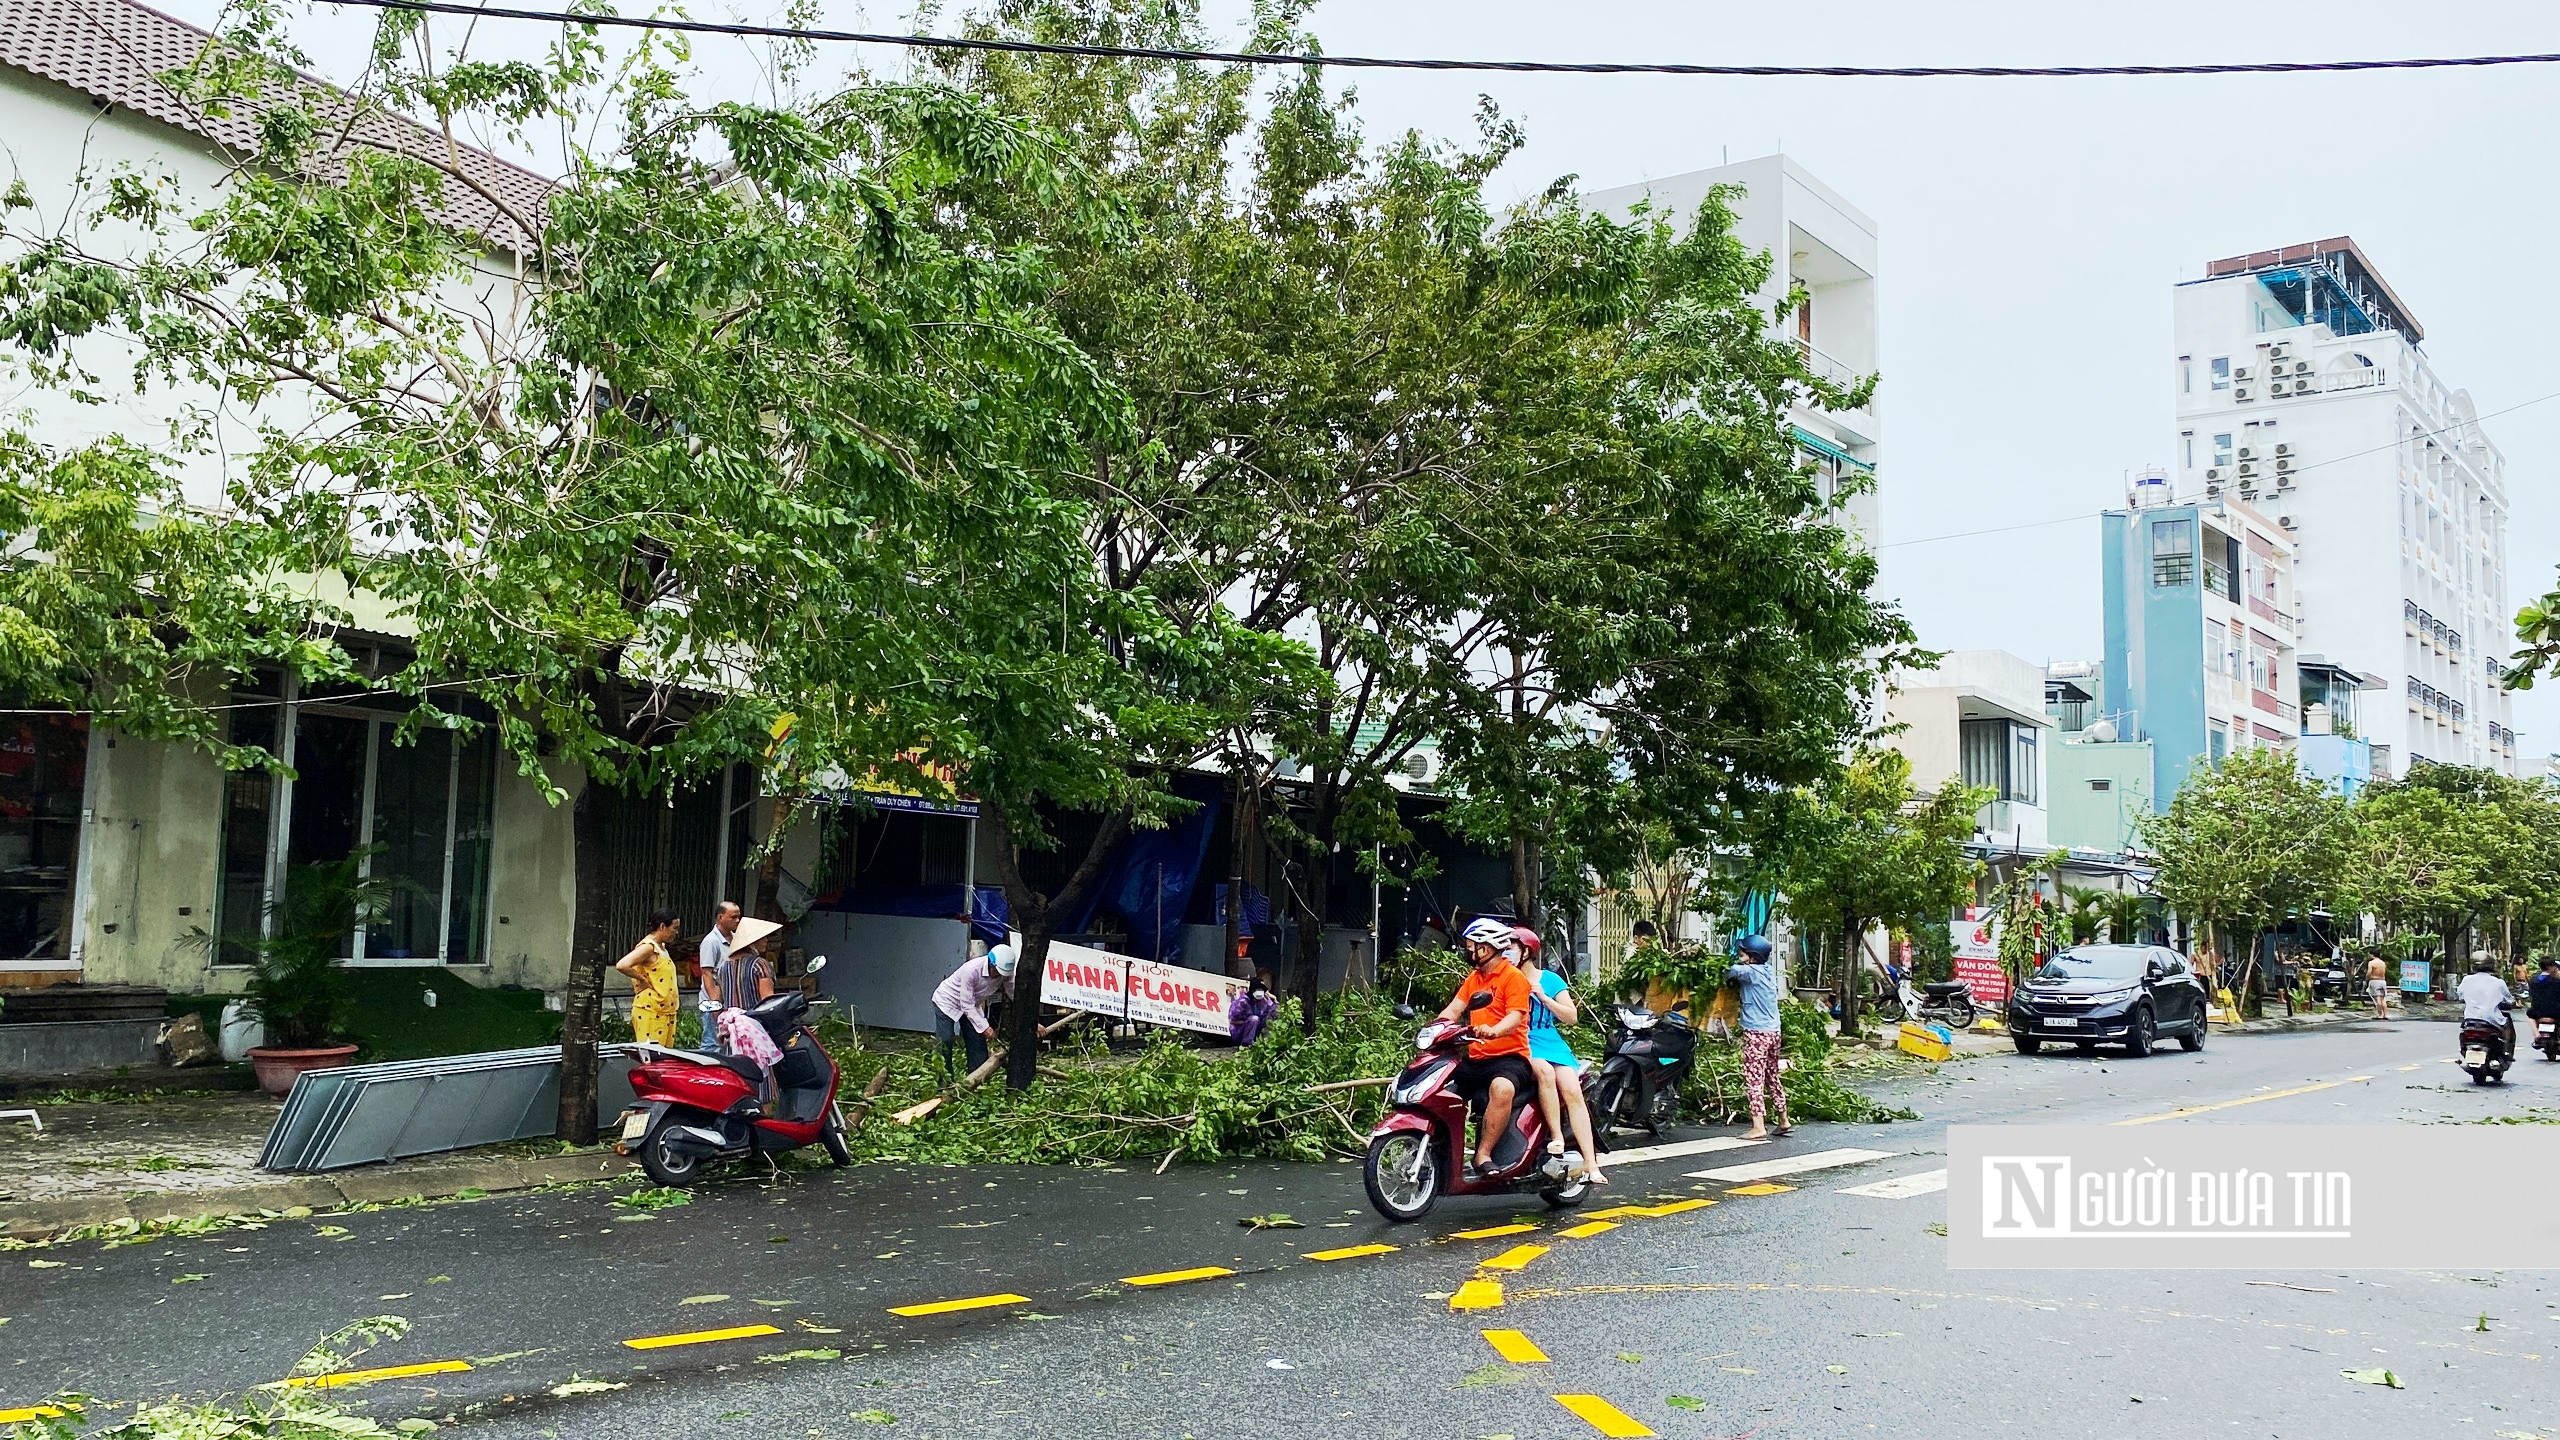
<point x="1496" y="1070"/>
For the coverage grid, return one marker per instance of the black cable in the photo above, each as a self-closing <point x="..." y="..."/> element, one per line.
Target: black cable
<point x="1372" y="62"/>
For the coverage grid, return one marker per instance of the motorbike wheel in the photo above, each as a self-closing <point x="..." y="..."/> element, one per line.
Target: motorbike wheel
<point x="1664" y="1112"/>
<point x="1565" y="1197"/>
<point x="674" y="1169"/>
<point x="833" y="1138"/>
<point x="1960" y="1014"/>
<point x="1402" y="1175"/>
<point x="2139" y="1034"/>
<point x="1614" y="1104"/>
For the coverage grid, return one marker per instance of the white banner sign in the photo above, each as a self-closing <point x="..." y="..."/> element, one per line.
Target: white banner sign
<point x="1080" y="977"/>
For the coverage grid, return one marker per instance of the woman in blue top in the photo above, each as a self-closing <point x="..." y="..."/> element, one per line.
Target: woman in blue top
<point x="1758" y="977"/>
<point x="1558" y="1070"/>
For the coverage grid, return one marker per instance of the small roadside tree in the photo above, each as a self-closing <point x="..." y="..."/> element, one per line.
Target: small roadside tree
<point x="2246" y="844"/>
<point x="1864" y="848"/>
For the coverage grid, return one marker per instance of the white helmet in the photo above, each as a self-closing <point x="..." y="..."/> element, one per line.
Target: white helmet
<point x="1486" y="930"/>
<point x="1002" y="957"/>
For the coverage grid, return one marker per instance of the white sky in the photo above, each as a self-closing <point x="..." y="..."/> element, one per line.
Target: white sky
<point x="2032" y="229"/>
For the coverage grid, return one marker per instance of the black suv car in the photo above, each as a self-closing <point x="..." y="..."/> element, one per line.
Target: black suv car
<point x="2127" y="995"/>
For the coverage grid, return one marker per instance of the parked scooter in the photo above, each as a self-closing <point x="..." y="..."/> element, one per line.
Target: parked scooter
<point x="2484" y="1051"/>
<point x="694" y="1110"/>
<point x="1418" y="1151"/>
<point x="1640" y="1078"/>
<point x="1946" y="1002"/>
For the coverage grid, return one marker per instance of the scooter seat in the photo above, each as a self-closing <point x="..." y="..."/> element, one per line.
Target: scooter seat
<point x="1941" y="989"/>
<point x="743" y="1067"/>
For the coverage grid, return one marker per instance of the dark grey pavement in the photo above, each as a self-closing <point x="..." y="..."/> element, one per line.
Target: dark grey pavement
<point x="1804" y="1312"/>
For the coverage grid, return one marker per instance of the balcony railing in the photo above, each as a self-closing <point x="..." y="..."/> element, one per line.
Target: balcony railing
<point x="1827" y="367"/>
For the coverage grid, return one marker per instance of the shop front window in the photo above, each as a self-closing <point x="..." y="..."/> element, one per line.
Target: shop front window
<point x="418" y="812"/>
<point x="43" y="761"/>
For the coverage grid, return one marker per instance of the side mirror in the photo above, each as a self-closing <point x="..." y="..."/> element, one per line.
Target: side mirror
<point x="817" y="963"/>
<point x="1480" y="999"/>
<point x="1405" y="1012"/>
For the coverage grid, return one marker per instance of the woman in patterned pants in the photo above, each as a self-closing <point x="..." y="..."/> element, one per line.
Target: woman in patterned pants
<point x="1761" y="1034"/>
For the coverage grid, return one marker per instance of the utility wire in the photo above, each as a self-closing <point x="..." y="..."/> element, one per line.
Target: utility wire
<point x="1375" y="62"/>
<point x="2317" y="464"/>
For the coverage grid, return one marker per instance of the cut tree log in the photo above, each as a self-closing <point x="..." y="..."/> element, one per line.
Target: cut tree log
<point x="871" y="1092"/>
<point x="918" y="1111"/>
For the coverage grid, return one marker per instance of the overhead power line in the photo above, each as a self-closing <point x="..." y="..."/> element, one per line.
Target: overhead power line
<point x="1379" y="62"/>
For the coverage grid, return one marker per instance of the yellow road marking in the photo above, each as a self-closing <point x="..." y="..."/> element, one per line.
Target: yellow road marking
<point x="1617" y="1212"/>
<point x="702" y="1337"/>
<point x="1176" y="1277"/>
<point x="1493" y="1232"/>
<point x="1589" y="1228"/>
<point x="946" y="1307"/>
<point x="1515" y="1347"/>
<point x="367" y="1377"/>
<point x="25" y="1413"/>
<point x="1515" y="1257"/>
<point x="2245" y="1100"/>
<point x="1676" y="1207"/>
<point x="1763" y="1188"/>
<point x="1351" y="1252"/>
<point x="1478" y="1295"/>
<point x="1604" y="1417"/>
<point x="2411" y="1067"/>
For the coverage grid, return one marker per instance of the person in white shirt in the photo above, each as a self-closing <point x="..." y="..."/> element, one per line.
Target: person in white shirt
<point x="2486" y="997"/>
<point x="714" y="949"/>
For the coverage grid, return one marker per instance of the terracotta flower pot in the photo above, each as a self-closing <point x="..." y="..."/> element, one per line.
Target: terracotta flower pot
<point x="276" y="1068"/>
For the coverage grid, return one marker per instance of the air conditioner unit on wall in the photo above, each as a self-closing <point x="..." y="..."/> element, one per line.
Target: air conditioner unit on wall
<point x="2283" y="449"/>
<point x="2248" y="468"/>
<point x="2284" y="463"/>
<point x="2212" y="492"/>
<point x="2279" y="349"/>
<point x="2239" y="392"/>
<point x="2248" y="452"/>
<point x="2242" y="372"/>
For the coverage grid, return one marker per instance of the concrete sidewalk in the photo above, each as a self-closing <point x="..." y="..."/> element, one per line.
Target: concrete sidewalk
<point x="184" y="1156"/>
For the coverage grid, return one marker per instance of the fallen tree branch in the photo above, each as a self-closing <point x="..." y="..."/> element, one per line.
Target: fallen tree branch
<point x="871" y="1092"/>
<point x="1331" y="1086"/>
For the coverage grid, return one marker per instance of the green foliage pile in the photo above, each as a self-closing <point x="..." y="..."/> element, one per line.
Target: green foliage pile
<point x="1093" y="1107"/>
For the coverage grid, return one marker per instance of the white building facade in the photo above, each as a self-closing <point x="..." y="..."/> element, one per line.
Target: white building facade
<point x="2303" y="394"/>
<point x="1977" y="718"/>
<point x="1820" y="241"/>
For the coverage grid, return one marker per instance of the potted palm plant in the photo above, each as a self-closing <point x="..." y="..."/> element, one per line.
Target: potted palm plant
<point x="296" y="987"/>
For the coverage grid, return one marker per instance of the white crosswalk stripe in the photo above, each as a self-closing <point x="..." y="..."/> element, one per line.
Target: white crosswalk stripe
<point x="1903" y="1187"/>
<point x="1678" y="1148"/>
<point x="1793" y="1165"/>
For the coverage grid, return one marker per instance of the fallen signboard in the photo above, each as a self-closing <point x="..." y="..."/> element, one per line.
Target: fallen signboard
<point x="1079" y="977"/>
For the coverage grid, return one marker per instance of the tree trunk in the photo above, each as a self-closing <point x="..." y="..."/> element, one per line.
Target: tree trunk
<point x="582" y="1004"/>
<point x="1853" y="937"/>
<point x="1036" y="916"/>
<point x="1524" y="878"/>
<point x="1240" y="828"/>
<point x="1309" y="899"/>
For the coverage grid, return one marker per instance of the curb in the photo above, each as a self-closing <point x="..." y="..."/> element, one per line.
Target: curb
<point x="40" y="1219"/>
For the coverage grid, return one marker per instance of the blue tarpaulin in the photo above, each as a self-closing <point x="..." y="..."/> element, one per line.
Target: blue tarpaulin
<point x="1149" y="882"/>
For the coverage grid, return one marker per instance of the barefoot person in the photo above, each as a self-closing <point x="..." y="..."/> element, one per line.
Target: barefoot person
<point x="1758" y="977"/>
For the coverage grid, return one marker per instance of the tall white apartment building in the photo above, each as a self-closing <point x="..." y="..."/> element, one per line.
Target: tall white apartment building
<point x="2303" y="393"/>
<point x="1818" y="240"/>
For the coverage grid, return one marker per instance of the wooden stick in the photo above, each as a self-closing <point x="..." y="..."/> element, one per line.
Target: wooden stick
<point x="1331" y="1086"/>
<point x="1061" y="1023"/>
<point x="871" y="1092"/>
<point x="916" y="1112"/>
<point x="1168" y="1159"/>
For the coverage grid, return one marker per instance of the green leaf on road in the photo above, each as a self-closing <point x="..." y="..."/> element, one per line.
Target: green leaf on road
<point x="875" y="1417"/>
<point x="787" y="1356"/>
<point x="2374" y="1377"/>
<point x="702" y="1299"/>
<point x="657" y="1198"/>
<point x="1485" y="1377"/>
<point x="588" y="1387"/>
<point x="1837" y="1369"/>
<point x="1275" y="1221"/>
<point x="187" y="1279"/>
<point x="1684" y="1402"/>
<point x="1629" y="1357"/>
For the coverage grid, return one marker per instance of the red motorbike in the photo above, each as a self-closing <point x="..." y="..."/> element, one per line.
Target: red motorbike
<point x="693" y="1110"/>
<point x="1418" y="1152"/>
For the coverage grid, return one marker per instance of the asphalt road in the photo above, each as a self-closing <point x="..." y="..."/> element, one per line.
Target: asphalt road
<point x="1806" y="1311"/>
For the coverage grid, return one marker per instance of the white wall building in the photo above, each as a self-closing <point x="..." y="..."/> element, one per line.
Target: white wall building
<point x="1979" y="719"/>
<point x="2303" y="393"/>
<point x="1829" y="246"/>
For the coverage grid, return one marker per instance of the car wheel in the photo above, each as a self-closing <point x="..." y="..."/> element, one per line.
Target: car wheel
<point x="2192" y="1040"/>
<point x="2139" y="1032"/>
<point x="2027" y="1044"/>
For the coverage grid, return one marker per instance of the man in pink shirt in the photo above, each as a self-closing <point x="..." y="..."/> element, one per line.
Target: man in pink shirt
<point x="960" y="1003"/>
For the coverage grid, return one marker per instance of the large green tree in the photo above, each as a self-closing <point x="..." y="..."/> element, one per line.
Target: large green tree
<point x="731" y="421"/>
<point x="2246" y="845"/>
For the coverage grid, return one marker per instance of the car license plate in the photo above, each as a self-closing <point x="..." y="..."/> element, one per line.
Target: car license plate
<point x="2063" y="1022"/>
<point x="633" y="1123"/>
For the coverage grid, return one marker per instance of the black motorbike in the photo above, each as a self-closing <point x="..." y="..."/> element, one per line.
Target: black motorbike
<point x="1639" y="1082"/>
<point x="2484" y="1051"/>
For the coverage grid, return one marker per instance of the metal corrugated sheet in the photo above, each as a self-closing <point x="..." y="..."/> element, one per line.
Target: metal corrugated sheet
<point x="364" y="1114"/>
